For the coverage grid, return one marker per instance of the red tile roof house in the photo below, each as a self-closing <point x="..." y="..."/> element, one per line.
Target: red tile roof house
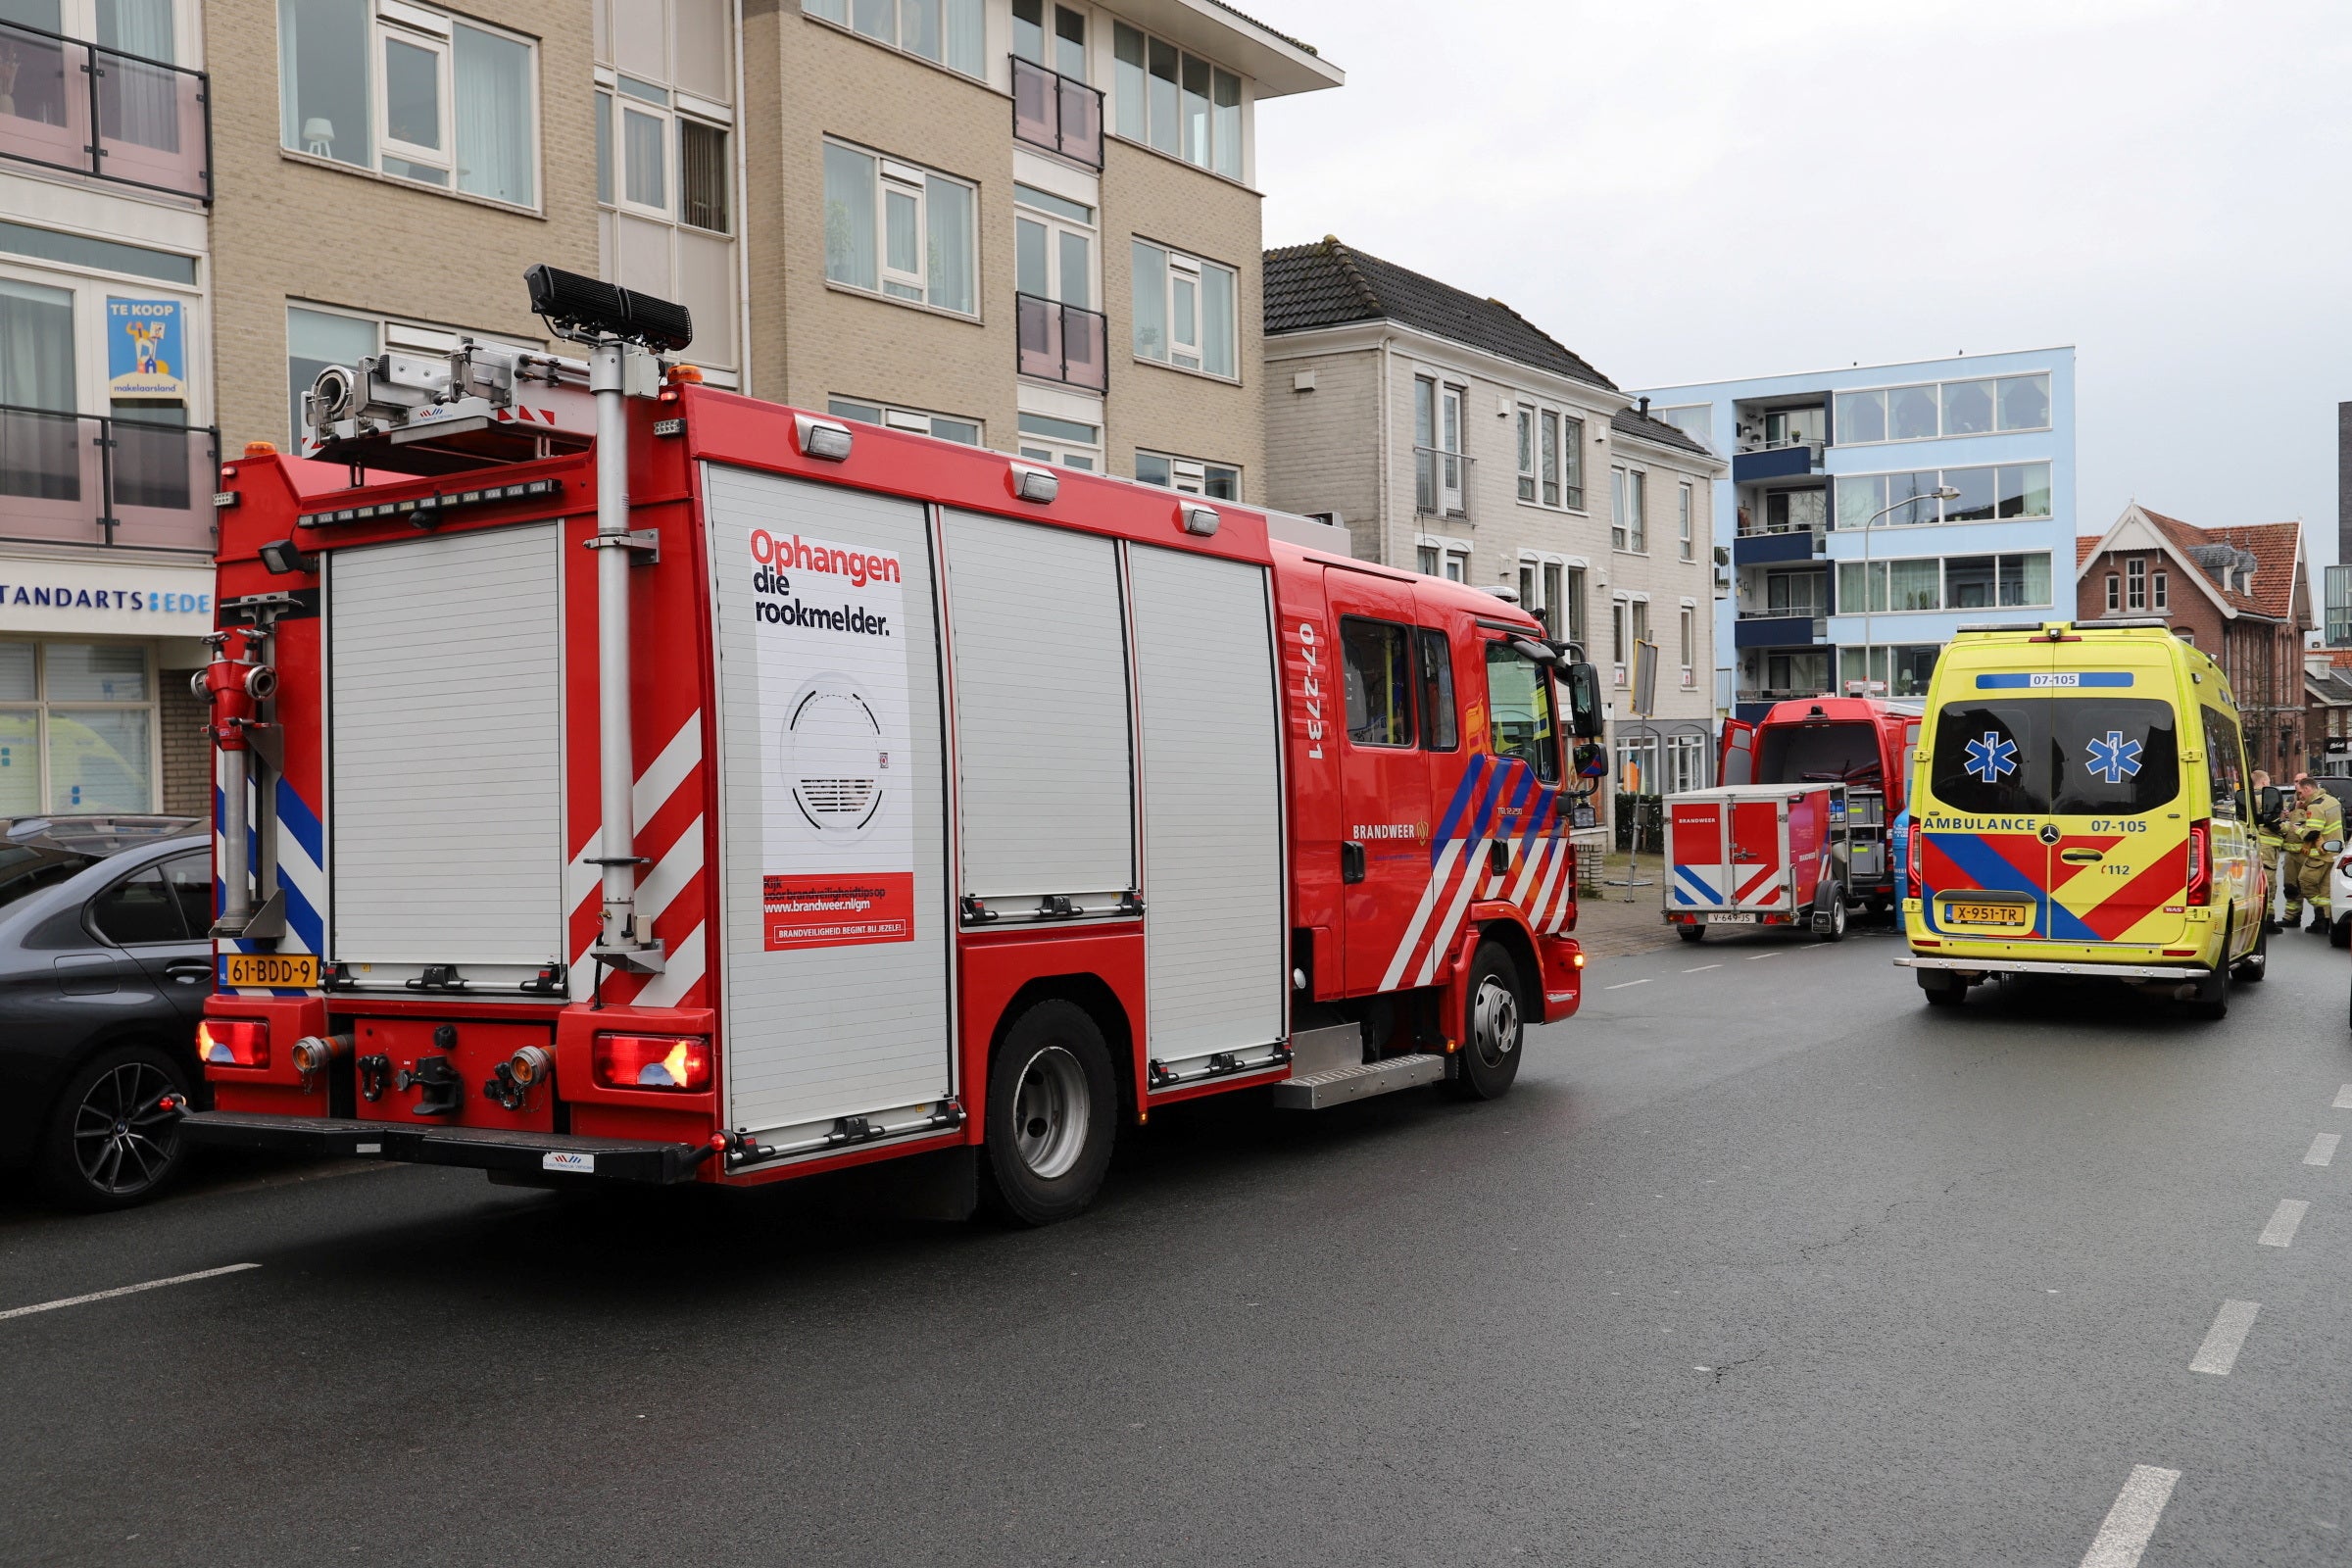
<point x="2242" y="594"/>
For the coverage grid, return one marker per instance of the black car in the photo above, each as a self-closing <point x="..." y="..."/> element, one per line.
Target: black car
<point x="104" y="969"/>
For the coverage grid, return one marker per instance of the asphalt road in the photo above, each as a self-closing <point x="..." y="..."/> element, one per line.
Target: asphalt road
<point x="1762" y="1264"/>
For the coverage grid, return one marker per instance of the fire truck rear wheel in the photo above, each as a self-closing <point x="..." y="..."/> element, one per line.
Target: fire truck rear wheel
<point x="1495" y="1029"/>
<point x="1053" y="1114"/>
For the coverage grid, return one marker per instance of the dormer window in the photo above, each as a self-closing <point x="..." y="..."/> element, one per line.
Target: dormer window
<point x="2135" y="584"/>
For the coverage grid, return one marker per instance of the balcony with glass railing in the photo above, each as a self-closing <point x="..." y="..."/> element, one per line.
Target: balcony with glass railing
<point x="1054" y="111"/>
<point x="86" y="109"/>
<point x="1057" y="342"/>
<point x="89" y="480"/>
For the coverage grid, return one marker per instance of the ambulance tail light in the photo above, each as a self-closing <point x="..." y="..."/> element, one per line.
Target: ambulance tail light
<point x="1912" y="876"/>
<point x="2200" y="861"/>
<point x="234" y="1043"/>
<point x="679" y="1062"/>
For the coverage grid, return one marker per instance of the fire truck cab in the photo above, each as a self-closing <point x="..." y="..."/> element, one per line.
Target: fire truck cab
<point x="1863" y="743"/>
<point x="621" y="779"/>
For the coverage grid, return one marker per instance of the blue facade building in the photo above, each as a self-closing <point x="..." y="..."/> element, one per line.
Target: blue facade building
<point x="1847" y="570"/>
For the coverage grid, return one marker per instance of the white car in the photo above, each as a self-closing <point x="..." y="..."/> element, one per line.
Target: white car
<point x="2339" y="875"/>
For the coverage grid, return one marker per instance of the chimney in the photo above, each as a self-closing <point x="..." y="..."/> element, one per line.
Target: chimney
<point x="1644" y="408"/>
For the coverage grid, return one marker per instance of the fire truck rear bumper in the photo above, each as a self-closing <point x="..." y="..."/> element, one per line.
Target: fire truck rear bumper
<point x="2089" y="971"/>
<point x="474" y="1147"/>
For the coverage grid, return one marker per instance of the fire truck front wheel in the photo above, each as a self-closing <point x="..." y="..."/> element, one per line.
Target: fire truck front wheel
<point x="1052" y="1112"/>
<point x="1495" y="1028"/>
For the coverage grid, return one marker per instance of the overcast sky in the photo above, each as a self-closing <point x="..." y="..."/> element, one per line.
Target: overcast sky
<point x="1688" y="192"/>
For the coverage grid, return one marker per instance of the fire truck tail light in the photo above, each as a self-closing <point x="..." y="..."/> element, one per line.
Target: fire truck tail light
<point x="234" y="1043"/>
<point x="2200" y="861"/>
<point x="653" y="1061"/>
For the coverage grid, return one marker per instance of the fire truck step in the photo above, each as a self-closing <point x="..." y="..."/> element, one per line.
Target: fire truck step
<point x="1337" y="1085"/>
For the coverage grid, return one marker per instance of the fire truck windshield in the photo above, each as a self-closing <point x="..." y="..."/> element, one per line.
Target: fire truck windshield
<point x="1519" y="695"/>
<point x="1819" y="753"/>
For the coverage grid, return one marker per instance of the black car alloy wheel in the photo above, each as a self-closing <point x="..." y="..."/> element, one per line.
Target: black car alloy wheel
<point x="115" y="1143"/>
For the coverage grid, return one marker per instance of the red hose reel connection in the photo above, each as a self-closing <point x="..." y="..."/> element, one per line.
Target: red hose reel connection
<point x="234" y="684"/>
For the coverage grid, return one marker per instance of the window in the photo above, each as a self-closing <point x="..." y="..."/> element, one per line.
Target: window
<point x="1689" y="643"/>
<point x="2160" y="591"/>
<point x="1901" y="671"/>
<point x="1436" y="447"/>
<point x="1052" y="247"/>
<point x="2051" y="738"/>
<point x="2225" y="763"/>
<point x="1989" y="406"/>
<point x="1685" y="762"/>
<point x="1439" y="556"/>
<point x="1629" y="525"/>
<point x="1068" y="442"/>
<point x="1184" y="311"/>
<point x="1177" y="103"/>
<point x="410" y="93"/>
<point x="947" y="427"/>
<point x="2115" y="593"/>
<point x="1519" y="709"/>
<point x="1219" y="482"/>
<point x="1378" y="661"/>
<point x="76" y="728"/>
<point x="168" y="903"/>
<point x="898" y="230"/>
<point x="635" y="169"/>
<point x="1990" y="494"/>
<point x="1552" y="457"/>
<point x="2135" y="581"/>
<point x="1617" y="535"/>
<point x="1620" y="650"/>
<point x="1438" y="725"/>
<point x="1062" y="51"/>
<point x="1695" y="420"/>
<point x="1986" y="582"/>
<point x="1683" y="517"/>
<point x="945" y="32"/>
<point x="1640" y="608"/>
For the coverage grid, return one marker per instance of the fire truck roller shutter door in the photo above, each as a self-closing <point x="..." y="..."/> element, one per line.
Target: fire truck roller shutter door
<point x="833" y="807"/>
<point x="444" y="822"/>
<point x="1041" y="716"/>
<point x="1213" y="937"/>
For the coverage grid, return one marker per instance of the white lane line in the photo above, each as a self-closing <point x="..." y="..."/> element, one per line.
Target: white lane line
<point x="2321" y="1150"/>
<point x="2228" y="1336"/>
<point x="2343" y="1098"/>
<point x="1753" y="957"/>
<point x="127" y="1290"/>
<point x="1702" y="969"/>
<point x="2132" y="1519"/>
<point x="2280" y="1230"/>
<point x="1621" y="984"/>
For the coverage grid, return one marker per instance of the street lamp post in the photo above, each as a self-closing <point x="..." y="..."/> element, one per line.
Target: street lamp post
<point x="1942" y="492"/>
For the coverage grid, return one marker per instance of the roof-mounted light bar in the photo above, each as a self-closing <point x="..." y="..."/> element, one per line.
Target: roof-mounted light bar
<point x="583" y="308"/>
<point x="431" y="506"/>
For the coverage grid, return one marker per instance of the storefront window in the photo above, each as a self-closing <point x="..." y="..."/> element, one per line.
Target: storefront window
<point x="76" y="728"/>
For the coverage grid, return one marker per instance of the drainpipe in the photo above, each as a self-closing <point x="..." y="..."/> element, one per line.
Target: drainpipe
<point x="1388" y="413"/>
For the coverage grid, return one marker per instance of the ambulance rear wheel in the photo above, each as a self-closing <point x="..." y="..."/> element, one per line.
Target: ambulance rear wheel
<point x="1691" y="933"/>
<point x="1053" y="1114"/>
<point x="1495" y="1028"/>
<point x="1942" y="990"/>
<point x="2257" y="962"/>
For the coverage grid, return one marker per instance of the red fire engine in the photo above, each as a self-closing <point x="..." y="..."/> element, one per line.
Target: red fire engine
<point x="1862" y="743"/>
<point x="621" y="779"/>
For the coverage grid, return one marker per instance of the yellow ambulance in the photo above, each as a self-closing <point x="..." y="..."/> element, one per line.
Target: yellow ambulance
<point x="2079" y="807"/>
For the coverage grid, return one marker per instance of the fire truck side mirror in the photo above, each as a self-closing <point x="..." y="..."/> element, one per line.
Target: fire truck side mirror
<point x="1584" y="714"/>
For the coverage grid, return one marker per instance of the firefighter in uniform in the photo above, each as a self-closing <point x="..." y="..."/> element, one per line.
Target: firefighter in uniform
<point x="2269" y="809"/>
<point x="2311" y="823"/>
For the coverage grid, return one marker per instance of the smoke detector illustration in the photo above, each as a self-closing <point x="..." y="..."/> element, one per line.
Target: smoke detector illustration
<point x="835" y="758"/>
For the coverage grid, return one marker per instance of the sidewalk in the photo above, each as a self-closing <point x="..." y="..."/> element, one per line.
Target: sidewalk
<point x="1614" y="921"/>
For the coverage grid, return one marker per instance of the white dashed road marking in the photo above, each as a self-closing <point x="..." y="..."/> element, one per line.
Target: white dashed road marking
<point x="2343" y="1098"/>
<point x="2321" y="1150"/>
<point x="1621" y="984"/>
<point x="2228" y="1336"/>
<point x="126" y="1290"/>
<point x="2280" y="1230"/>
<point x="1701" y="967"/>
<point x="1753" y="957"/>
<point x="2132" y="1519"/>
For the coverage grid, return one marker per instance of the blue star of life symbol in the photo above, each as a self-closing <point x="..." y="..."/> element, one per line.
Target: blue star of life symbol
<point x="1991" y="757"/>
<point x="2114" y="759"/>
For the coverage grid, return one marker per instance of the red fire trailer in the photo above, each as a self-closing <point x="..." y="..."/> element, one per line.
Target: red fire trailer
<point x="1758" y="854"/>
<point x="622" y="779"/>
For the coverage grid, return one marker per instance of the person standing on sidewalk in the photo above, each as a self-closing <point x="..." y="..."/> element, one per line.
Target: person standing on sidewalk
<point x="2270" y="812"/>
<point x="2315" y="836"/>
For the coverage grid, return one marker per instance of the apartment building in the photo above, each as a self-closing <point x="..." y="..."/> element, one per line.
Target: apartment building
<point x="1849" y="571"/>
<point x="2242" y="594"/>
<point x="1455" y="437"/>
<point x="106" y="333"/>
<point x="1025" y="225"/>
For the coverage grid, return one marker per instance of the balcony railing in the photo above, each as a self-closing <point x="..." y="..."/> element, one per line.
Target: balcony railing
<point x="1053" y="112"/>
<point x="80" y="478"/>
<point x="1060" y="342"/>
<point x="1811" y="609"/>
<point x="80" y="107"/>
<point x="1442" y="482"/>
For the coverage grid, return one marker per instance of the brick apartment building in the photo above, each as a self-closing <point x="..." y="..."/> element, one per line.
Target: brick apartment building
<point x="2242" y="594"/>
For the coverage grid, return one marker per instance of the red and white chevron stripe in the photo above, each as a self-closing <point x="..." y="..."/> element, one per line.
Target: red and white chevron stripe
<point x="668" y="802"/>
